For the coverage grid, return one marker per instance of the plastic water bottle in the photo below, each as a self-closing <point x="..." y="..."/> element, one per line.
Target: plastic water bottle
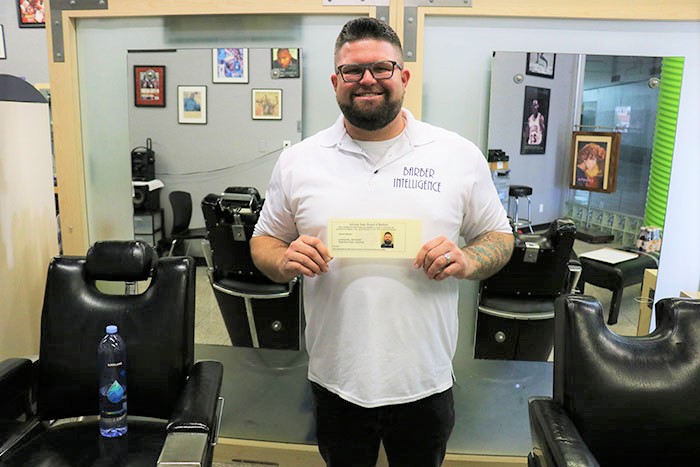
<point x="111" y="361"/>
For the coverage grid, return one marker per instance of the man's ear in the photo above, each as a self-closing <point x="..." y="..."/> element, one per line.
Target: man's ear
<point x="334" y="80"/>
<point x="405" y="76"/>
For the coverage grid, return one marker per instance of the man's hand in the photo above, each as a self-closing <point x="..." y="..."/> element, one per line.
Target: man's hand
<point x="281" y="262"/>
<point x="306" y="255"/>
<point x="441" y="258"/>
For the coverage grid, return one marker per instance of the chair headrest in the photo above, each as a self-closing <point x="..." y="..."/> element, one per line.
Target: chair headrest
<point x="117" y="260"/>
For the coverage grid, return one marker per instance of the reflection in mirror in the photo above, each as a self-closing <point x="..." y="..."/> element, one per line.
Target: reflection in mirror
<point x="238" y="121"/>
<point x="591" y="93"/>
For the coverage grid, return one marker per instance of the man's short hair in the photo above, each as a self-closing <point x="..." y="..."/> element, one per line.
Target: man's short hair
<point x="367" y="28"/>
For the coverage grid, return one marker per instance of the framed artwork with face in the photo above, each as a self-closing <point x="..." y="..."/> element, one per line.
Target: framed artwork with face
<point x="192" y="104"/>
<point x="230" y="65"/>
<point x="533" y="138"/>
<point x="30" y="13"/>
<point x="149" y="85"/>
<point x="594" y="161"/>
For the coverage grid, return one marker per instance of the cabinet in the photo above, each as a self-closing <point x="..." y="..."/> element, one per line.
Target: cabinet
<point x="647" y="301"/>
<point x="148" y="226"/>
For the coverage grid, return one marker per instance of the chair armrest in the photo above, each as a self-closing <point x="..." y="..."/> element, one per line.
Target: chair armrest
<point x="196" y="410"/>
<point x="15" y="387"/>
<point x="194" y="426"/>
<point x="575" y="270"/>
<point x="555" y="439"/>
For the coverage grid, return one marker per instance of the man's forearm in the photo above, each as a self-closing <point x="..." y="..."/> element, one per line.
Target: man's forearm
<point x="267" y="253"/>
<point x="489" y="253"/>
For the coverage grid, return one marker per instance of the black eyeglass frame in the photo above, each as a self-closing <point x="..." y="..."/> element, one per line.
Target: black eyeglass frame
<point x="367" y="66"/>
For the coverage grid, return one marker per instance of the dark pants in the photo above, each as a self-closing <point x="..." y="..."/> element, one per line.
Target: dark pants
<point x="414" y="434"/>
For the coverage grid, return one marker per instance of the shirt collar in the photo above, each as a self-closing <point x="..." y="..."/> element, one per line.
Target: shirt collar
<point x="418" y="132"/>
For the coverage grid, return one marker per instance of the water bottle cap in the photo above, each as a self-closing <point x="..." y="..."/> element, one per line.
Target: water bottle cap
<point x="111" y="329"/>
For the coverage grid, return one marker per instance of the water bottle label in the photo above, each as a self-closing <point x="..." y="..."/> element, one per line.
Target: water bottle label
<point x="115" y="393"/>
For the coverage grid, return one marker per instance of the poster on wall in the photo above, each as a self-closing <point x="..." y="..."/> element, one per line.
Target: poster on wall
<point x="230" y="65"/>
<point x="149" y="85"/>
<point x="540" y="64"/>
<point x="30" y="13"/>
<point x="285" y="63"/>
<point x="267" y="104"/>
<point x="535" y="120"/>
<point x="192" y="104"/>
<point x="594" y="161"/>
<point x="622" y="117"/>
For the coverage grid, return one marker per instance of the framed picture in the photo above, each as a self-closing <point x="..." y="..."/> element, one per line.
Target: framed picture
<point x="30" y="13"/>
<point x="535" y="121"/>
<point x="3" y="53"/>
<point x="192" y="104"/>
<point x="229" y="65"/>
<point x="594" y="161"/>
<point x="149" y="85"/>
<point x="540" y="64"/>
<point x="285" y="63"/>
<point x="267" y="104"/>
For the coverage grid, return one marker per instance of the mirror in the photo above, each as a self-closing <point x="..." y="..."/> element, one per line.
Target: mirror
<point x="228" y="140"/>
<point x="591" y="93"/>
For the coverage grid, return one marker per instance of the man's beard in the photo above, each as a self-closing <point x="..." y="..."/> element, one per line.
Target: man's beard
<point x="373" y="119"/>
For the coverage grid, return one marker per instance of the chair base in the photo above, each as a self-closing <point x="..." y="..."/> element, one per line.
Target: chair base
<point x="513" y="339"/>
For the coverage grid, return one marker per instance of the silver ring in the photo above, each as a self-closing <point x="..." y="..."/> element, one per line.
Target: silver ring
<point x="447" y="258"/>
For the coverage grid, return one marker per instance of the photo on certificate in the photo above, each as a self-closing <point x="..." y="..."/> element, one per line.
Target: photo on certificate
<point x="374" y="238"/>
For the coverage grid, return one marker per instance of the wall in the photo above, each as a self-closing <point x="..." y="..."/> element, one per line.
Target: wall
<point x="27" y="56"/>
<point x="28" y="232"/>
<point x="543" y="172"/>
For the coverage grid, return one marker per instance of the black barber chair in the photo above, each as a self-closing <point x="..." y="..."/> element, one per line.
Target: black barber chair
<point x="620" y="400"/>
<point x="257" y="312"/>
<point x="173" y="402"/>
<point x="516" y="305"/>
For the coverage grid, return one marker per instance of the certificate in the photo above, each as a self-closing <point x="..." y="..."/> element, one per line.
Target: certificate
<point x="374" y="238"/>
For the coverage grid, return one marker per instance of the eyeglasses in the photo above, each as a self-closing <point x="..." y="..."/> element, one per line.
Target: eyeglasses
<point x="353" y="72"/>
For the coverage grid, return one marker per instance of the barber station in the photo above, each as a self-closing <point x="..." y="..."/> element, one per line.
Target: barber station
<point x="145" y="146"/>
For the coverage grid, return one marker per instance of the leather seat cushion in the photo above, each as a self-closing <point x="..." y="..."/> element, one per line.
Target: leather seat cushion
<point x="79" y="444"/>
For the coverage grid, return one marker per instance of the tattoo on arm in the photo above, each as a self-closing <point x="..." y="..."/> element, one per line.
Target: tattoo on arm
<point x="489" y="253"/>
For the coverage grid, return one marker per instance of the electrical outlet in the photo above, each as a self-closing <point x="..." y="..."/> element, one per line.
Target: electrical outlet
<point x="286" y="143"/>
<point x="541" y="207"/>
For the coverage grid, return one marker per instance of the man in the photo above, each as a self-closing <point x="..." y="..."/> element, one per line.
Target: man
<point x="381" y="333"/>
<point x="535" y="124"/>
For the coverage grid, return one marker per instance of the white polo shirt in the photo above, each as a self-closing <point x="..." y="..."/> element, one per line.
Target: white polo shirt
<point x="378" y="332"/>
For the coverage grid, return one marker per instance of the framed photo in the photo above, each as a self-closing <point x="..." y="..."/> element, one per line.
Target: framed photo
<point x="267" y="104"/>
<point x="30" y="13"/>
<point x="535" y="121"/>
<point x="3" y="53"/>
<point x="192" y="104"/>
<point x="149" y="85"/>
<point x="594" y="161"/>
<point x="285" y="63"/>
<point x="540" y="64"/>
<point x="229" y="65"/>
